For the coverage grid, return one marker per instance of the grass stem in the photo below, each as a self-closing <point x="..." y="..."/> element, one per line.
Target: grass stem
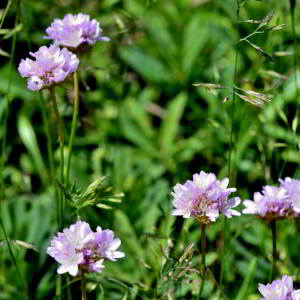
<point x="83" y="287"/>
<point x="231" y="140"/>
<point x="274" y="251"/>
<point x="60" y="127"/>
<point x="203" y="249"/>
<point x="74" y="121"/>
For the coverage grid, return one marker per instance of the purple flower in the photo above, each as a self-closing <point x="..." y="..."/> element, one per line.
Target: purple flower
<point x="281" y="289"/>
<point x="106" y="244"/>
<point x="292" y="187"/>
<point x="51" y="66"/>
<point x="65" y="254"/>
<point x="79" y="248"/>
<point x="204" y="198"/>
<point x="74" y="31"/>
<point x="272" y="203"/>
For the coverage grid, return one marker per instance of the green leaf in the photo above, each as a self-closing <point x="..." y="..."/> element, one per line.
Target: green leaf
<point x="145" y="64"/>
<point x="249" y="277"/>
<point x="29" y="139"/>
<point x="170" y="125"/>
<point x="127" y="231"/>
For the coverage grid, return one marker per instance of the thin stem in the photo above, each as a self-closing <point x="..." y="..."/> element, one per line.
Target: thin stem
<point x="231" y="139"/>
<point x="74" y="121"/>
<point x="83" y="287"/>
<point x="6" y="108"/>
<point x="58" y="287"/>
<point x="203" y="249"/>
<point x="60" y="128"/>
<point x="14" y="259"/>
<point x="274" y="255"/>
<point x="48" y="136"/>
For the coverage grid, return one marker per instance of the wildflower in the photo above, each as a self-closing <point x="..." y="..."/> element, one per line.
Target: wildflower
<point x="75" y="31"/>
<point x="272" y="203"/>
<point x="79" y="248"/>
<point x="204" y="198"/>
<point x="51" y="66"/>
<point x="292" y="187"/>
<point x="281" y="289"/>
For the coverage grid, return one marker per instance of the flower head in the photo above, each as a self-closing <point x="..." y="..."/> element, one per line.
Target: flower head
<point x="272" y="203"/>
<point x="204" y="198"/>
<point x="281" y="289"/>
<point x="292" y="186"/>
<point x="78" y="247"/>
<point x="75" y="31"/>
<point x="51" y="66"/>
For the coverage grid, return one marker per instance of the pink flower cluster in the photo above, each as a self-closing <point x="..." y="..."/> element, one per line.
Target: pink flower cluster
<point x="276" y="202"/>
<point x="53" y="65"/>
<point x="79" y="248"/>
<point x="204" y="198"/>
<point x="281" y="289"/>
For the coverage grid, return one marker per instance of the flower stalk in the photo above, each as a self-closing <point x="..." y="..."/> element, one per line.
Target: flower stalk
<point x="60" y="128"/>
<point x="203" y="249"/>
<point x="274" y="255"/>
<point x="74" y="121"/>
<point x="83" y="287"/>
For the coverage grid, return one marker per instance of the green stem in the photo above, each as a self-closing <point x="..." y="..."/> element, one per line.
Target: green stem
<point x="203" y="249"/>
<point x="231" y="139"/>
<point x="83" y="287"/>
<point x="74" y="121"/>
<point x="14" y="259"/>
<point x="6" y="108"/>
<point x="274" y="255"/>
<point x="48" y="136"/>
<point x="58" y="287"/>
<point x="60" y="128"/>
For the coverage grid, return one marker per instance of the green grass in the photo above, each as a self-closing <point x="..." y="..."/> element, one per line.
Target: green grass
<point x="143" y="124"/>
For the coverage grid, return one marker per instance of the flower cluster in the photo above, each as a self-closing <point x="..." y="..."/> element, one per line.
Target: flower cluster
<point x="51" y="66"/>
<point x="79" y="248"/>
<point x="276" y="202"/>
<point x="204" y="198"/>
<point x="281" y="289"/>
<point x="75" y="31"/>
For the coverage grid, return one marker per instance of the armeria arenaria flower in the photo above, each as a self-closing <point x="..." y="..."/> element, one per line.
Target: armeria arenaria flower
<point x="292" y="187"/>
<point x="281" y="289"/>
<point x="79" y="248"/>
<point x="273" y="203"/>
<point x="75" y="31"/>
<point x="204" y="198"/>
<point x="51" y="66"/>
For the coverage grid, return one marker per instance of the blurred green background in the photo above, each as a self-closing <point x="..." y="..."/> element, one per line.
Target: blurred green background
<point x="144" y="125"/>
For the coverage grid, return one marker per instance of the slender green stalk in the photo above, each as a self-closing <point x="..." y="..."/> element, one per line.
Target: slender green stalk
<point x="231" y="139"/>
<point x="3" y="146"/>
<point x="48" y="136"/>
<point x="8" y="5"/>
<point x="58" y="287"/>
<point x="83" y="287"/>
<point x="292" y="9"/>
<point x="14" y="259"/>
<point x="74" y="121"/>
<point x="274" y="251"/>
<point x="60" y="128"/>
<point x="203" y="249"/>
<point x="6" y="108"/>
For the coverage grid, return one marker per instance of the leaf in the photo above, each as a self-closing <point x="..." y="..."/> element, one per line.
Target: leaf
<point x="250" y="274"/>
<point x="122" y="223"/>
<point x="170" y="126"/>
<point x="146" y="65"/>
<point x="29" y="139"/>
<point x="192" y="46"/>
